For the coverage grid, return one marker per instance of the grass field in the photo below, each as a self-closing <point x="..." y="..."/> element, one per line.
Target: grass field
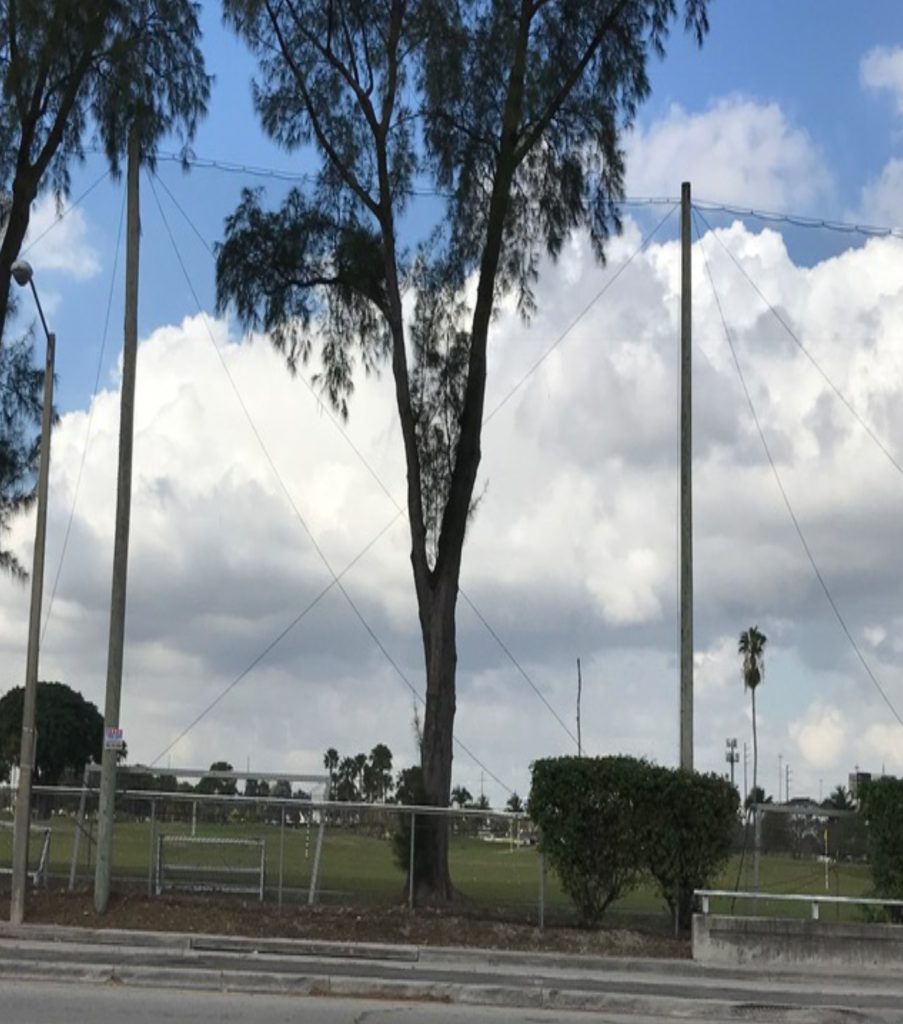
<point x="358" y="867"/>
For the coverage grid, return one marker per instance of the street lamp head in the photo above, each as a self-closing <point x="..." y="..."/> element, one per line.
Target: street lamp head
<point x="22" y="272"/>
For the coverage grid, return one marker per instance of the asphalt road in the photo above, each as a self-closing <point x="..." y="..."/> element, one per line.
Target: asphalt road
<point x="41" y="1003"/>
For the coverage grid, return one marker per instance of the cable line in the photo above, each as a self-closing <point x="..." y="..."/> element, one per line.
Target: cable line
<point x="643" y="244"/>
<point x="58" y="220"/>
<point x="398" y="506"/>
<point x="85" y="446"/>
<point x="733" y="209"/>
<point x="792" y="514"/>
<point x="776" y="313"/>
<point x="336" y="580"/>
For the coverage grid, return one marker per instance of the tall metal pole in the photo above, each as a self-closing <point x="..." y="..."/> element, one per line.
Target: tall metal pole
<point x="121" y="539"/>
<point x="686" y="486"/>
<point x="29" y="703"/>
<point x="579" y="694"/>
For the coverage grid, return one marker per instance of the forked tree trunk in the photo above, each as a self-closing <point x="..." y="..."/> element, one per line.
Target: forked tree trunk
<point x="432" y="879"/>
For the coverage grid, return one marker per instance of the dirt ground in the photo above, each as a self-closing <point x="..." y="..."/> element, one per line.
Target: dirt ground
<point x="392" y="925"/>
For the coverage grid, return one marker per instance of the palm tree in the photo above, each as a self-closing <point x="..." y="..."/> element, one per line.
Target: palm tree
<point x="331" y="763"/>
<point x="752" y="647"/>
<point x="460" y="796"/>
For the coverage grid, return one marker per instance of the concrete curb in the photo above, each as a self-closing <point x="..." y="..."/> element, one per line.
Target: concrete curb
<point x="527" y="997"/>
<point x="668" y="988"/>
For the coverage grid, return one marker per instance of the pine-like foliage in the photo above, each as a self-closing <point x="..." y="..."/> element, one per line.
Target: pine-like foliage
<point x="20" y="419"/>
<point x="509" y="115"/>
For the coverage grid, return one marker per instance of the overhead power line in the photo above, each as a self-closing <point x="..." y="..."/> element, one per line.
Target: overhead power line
<point x="797" y="220"/>
<point x="65" y="213"/>
<point x="398" y="506"/>
<point x="90" y="423"/>
<point x="796" y="340"/>
<point x="336" y="579"/>
<point x="786" y="499"/>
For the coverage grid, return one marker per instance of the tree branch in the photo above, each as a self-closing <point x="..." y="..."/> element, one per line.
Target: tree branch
<point x="343" y="170"/>
<point x="392" y="70"/>
<point x="539" y="127"/>
<point x="328" y="54"/>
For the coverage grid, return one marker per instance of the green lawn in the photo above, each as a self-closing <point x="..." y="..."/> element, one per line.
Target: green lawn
<point x="358" y="867"/>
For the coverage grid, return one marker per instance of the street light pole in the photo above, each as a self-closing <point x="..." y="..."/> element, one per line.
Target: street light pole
<point x="22" y="273"/>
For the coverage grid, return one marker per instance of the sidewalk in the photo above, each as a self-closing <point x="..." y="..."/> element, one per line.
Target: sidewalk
<point x="655" y="988"/>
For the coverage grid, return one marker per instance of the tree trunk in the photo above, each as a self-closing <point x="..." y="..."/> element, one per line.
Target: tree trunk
<point x="16" y="228"/>
<point x="755" y="741"/>
<point x="432" y="879"/>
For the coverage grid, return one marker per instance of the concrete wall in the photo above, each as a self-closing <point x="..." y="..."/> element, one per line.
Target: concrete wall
<point x="733" y="941"/>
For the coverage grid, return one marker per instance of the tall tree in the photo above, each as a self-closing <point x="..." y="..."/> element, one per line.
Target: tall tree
<point x="210" y="784"/>
<point x="70" y="732"/>
<point x="512" y="112"/>
<point x="68" y="65"/>
<point x="752" y="650"/>
<point x="346" y="780"/>
<point x="21" y="389"/>
<point x="64" y="66"/>
<point x="331" y="764"/>
<point x="381" y="765"/>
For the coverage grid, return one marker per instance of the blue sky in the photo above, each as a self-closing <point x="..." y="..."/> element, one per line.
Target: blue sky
<point x="790" y="107"/>
<point x="804" y="56"/>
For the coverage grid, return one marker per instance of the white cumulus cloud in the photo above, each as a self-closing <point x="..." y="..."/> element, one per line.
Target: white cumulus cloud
<point x="820" y="736"/>
<point x="737" y="150"/>
<point x="58" y="240"/>
<point x="881" y="69"/>
<point x="572" y="551"/>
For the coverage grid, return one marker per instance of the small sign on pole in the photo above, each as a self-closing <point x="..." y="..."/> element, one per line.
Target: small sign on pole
<point x="113" y="738"/>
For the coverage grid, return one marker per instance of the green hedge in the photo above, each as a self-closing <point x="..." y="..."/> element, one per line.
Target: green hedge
<point x="606" y="822"/>
<point x="881" y="801"/>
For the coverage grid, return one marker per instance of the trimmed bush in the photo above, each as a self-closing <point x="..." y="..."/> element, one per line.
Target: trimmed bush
<point x="606" y="821"/>
<point x="690" y="829"/>
<point x="591" y="831"/>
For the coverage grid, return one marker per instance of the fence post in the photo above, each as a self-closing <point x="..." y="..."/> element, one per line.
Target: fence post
<point x="757" y="848"/>
<point x="79" y="826"/>
<point x="194" y="818"/>
<point x="159" y="886"/>
<point x="411" y="864"/>
<point x="281" y="854"/>
<point x="542" y="890"/>
<point x="153" y="843"/>
<point x="315" y="872"/>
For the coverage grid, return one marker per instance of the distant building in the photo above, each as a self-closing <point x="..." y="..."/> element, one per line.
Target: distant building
<point x="856" y="779"/>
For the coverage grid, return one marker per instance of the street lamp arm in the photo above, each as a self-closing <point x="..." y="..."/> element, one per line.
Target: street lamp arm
<point x="23" y="274"/>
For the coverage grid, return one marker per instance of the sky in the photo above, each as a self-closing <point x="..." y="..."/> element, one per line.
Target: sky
<point x="248" y="495"/>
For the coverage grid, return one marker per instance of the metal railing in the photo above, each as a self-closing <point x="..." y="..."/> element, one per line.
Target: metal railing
<point x="814" y="901"/>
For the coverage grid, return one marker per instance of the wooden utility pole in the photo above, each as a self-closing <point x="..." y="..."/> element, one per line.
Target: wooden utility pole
<point x="121" y="538"/>
<point x="686" y="484"/>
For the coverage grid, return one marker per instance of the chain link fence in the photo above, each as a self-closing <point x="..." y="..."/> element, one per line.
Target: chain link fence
<point x="357" y="855"/>
<point x="797" y="848"/>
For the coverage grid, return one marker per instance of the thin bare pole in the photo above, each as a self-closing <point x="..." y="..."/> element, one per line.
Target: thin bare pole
<point x="686" y="485"/>
<point x="121" y="537"/>
<point x="29" y="733"/>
